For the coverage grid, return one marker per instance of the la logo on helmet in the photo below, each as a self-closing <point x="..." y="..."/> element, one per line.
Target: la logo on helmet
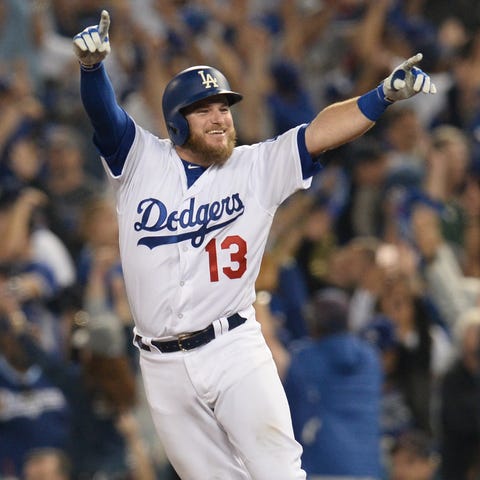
<point x="208" y="81"/>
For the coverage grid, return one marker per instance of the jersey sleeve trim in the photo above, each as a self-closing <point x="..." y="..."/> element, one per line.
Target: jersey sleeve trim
<point x="116" y="161"/>
<point x="309" y="165"/>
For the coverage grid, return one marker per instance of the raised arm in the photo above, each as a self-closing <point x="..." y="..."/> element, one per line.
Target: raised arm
<point x="342" y="122"/>
<point x="114" y="129"/>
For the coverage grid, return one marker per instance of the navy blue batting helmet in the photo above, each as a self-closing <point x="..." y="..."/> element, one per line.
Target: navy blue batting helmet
<point x="188" y="87"/>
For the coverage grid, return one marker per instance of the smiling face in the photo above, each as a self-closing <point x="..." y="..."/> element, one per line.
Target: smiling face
<point x="212" y="132"/>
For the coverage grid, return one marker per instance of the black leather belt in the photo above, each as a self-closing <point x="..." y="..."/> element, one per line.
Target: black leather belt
<point x="188" y="341"/>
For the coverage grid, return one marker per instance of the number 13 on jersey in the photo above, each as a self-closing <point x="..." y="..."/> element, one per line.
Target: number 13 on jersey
<point x="237" y="248"/>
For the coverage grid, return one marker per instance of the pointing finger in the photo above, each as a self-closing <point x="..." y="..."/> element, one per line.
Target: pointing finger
<point x="104" y="25"/>
<point x="412" y="61"/>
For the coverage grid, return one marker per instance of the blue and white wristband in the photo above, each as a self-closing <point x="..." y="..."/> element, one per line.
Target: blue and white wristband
<point x="373" y="103"/>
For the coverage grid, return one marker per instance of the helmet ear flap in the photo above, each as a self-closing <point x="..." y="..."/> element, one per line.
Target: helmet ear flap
<point x="173" y="130"/>
<point x="178" y="129"/>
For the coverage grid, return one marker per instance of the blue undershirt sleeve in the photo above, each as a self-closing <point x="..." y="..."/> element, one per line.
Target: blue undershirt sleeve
<point x="310" y="166"/>
<point x="114" y="130"/>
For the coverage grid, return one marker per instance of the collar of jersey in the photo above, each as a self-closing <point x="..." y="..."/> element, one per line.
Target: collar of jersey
<point x="192" y="171"/>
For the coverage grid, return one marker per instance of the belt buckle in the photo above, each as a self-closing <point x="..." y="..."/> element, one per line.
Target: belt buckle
<point x="181" y="338"/>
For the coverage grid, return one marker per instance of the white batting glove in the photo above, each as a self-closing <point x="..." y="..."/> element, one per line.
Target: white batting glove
<point x="407" y="80"/>
<point x="92" y="45"/>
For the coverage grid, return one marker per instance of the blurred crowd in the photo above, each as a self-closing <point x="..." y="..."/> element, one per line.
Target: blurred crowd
<point x="369" y="291"/>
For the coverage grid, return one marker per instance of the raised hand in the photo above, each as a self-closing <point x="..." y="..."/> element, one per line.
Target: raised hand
<point x="407" y="80"/>
<point x="92" y="45"/>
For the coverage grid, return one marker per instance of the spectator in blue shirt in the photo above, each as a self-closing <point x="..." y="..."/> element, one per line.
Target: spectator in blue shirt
<point x="34" y="412"/>
<point x="289" y="103"/>
<point x="334" y="387"/>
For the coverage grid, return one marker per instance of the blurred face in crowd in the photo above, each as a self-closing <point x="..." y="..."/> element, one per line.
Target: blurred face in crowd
<point x="99" y="223"/>
<point x="338" y="268"/>
<point x="397" y="302"/>
<point x="426" y="230"/>
<point x="25" y="160"/>
<point x="212" y="133"/>
<point x="64" y="157"/>
<point x="405" y="130"/>
<point x="318" y="224"/>
<point x="10" y="348"/>
<point x="458" y="154"/>
<point x="44" y="467"/>
<point x="361" y="261"/>
<point x="408" y="465"/>
<point x="471" y="348"/>
<point x="453" y="146"/>
<point x="371" y="172"/>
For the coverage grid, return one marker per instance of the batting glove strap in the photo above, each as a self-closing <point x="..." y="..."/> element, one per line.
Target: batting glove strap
<point x="90" y="68"/>
<point x="373" y="103"/>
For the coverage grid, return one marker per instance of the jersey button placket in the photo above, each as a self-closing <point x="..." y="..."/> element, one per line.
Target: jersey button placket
<point x="183" y="253"/>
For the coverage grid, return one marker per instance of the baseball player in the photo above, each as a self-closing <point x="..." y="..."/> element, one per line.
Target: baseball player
<point x="194" y="214"/>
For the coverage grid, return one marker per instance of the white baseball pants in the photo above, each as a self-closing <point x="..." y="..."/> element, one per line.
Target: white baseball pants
<point x="220" y="410"/>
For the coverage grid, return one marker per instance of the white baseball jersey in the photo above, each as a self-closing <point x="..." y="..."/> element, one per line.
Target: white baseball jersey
<point x="192" y="255"/>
